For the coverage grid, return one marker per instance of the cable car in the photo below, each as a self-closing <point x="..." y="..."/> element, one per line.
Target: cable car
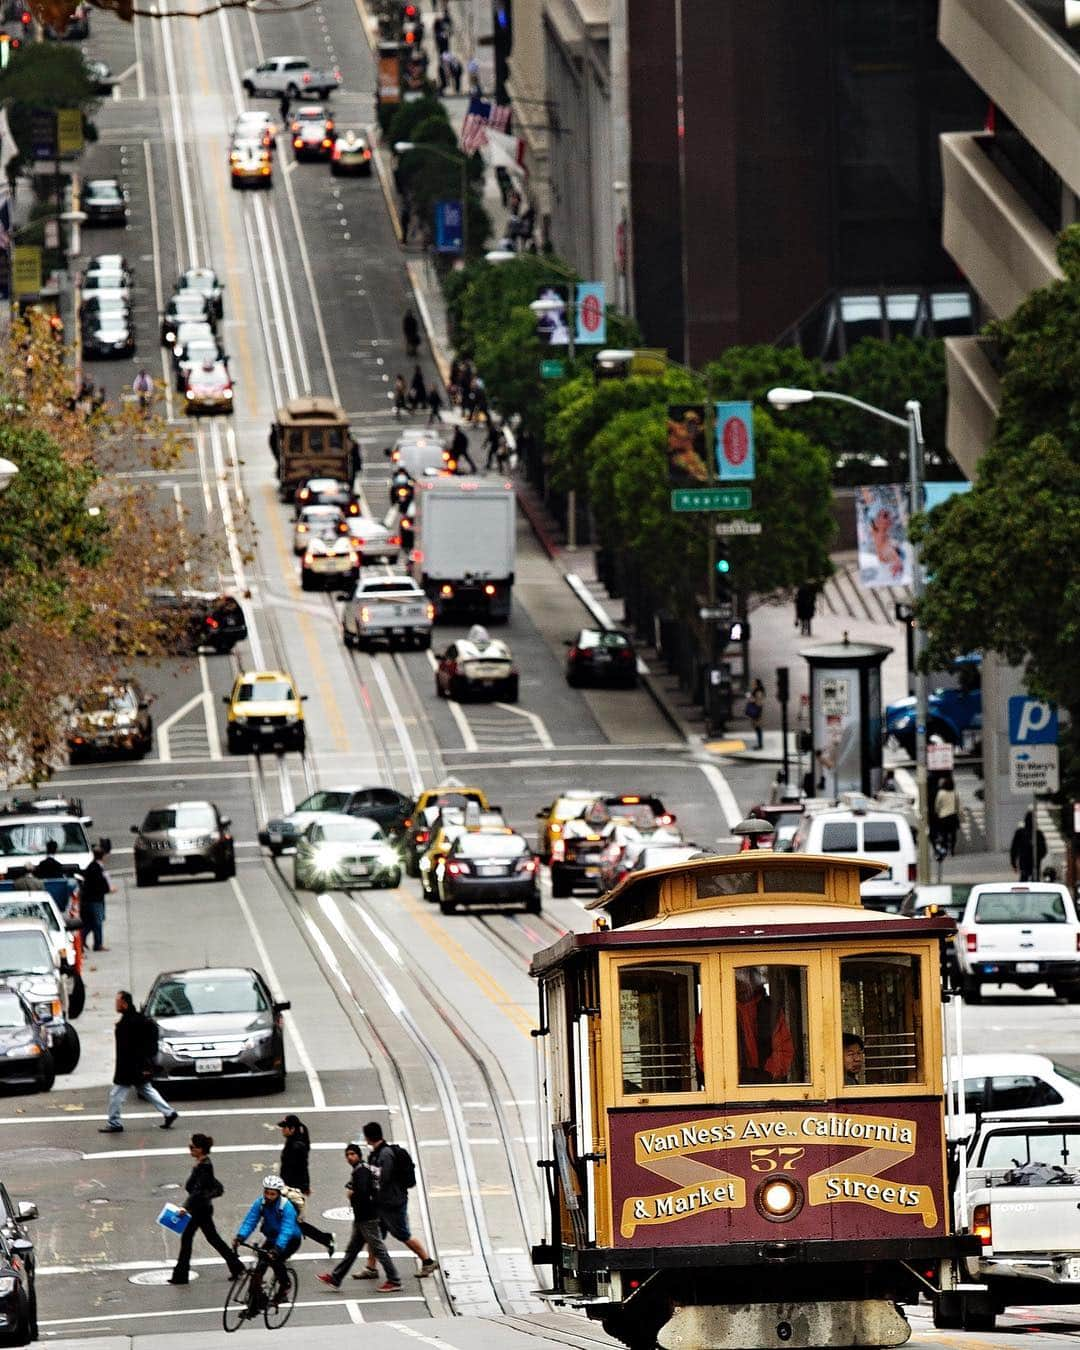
<point x="742" y="1108"/>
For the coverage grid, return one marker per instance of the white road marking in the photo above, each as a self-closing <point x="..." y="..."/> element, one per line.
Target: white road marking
<point x="212" y="737"/>
<point x="140" y="81"/>
<point x="412" y="764"/>
<point x="164" y="728"/>
<point x="352" y="1307"/>
<point x="471" y="743"/>
<point x="724" y="794"/>
<point x="317" y="1094"/>
<point x="67" y="1117"/>
<point x="119" y="1267"/>
<point x="145" y="778"/>
<point x="406" y="1330"/>
<point x="214" y="1311"/>
<point x="535" y="719"/>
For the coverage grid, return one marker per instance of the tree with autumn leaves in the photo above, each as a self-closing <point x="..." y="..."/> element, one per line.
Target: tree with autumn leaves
<point x="80" y="547"/>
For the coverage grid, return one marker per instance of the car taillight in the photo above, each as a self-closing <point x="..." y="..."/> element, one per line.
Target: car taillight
<point x="336" y="152"/>
<point x="981" y="1226"/>
<point x="422" y="836"/>
<point x="912" y="872"/>
<point x="626" y="654"/>
<point x="971" y="941"/>
<point x="558" y="850"/>
<point x="307" y="77"/>
<point x="456" y="869"/>
<point x="395" y="540"/>
<point x="367" y="154"/>
<point x="527" y="865"/>
<point x="211" y="622"/>
<point x="431" y="612"/>
<point x="447" y="589"/>
<point x="326" y="143"/>
<point x="489" y="589"/>
<point x="301" y="529"/>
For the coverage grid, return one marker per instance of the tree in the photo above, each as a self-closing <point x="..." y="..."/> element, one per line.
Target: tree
<point x="44" y="75"/>
<point x="79" y="550"/>
<point x="1004" y="572"/>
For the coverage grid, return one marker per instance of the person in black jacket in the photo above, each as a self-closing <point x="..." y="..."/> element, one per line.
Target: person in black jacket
<point x="365" y="1230"/>
<point x="50" y="867"/>
<point x="294" y="1172"/>
<point x="136" y="1052"/>
<point x="203" y="1188"/>
<point x="93" y="889"/>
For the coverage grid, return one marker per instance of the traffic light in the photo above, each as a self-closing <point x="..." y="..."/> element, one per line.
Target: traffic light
<point x="723" y="562"/>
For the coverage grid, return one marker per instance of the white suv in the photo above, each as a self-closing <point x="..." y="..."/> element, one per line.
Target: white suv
<point x="1024" y="933"/>
<point x="859" y="831"/>
<point x="27" y="826"/>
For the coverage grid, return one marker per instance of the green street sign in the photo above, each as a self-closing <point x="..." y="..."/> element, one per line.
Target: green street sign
<point x="710" y="499"/>
<point x="552" y="370"/>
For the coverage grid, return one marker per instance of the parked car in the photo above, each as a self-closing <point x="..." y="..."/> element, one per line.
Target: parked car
<point x="384" y="805"/>
<point x="205" y="281"/>
<point x="345" y="851"/>
<point x="108" y="332"/>
<point x="478" y="666"/>
<point x="217" y="1023"/>
<point x="954" y="712"/>
<point x="104" y="202"/>
<point x="18" y="1293"/>
<point x="201" y="619"/>
<point x="182" y="838"/>
<point x="485" y="867"/>
<point x="99" y="74"/>
<point x="27" y="825"/>
<point x="601" y="656"/>
<point x="1022" y="933"/>
<point x="115" y="721"/>
<point x="60" y="929"/>
<point x="29" y="965"/>
<point x="25" y="1053"/>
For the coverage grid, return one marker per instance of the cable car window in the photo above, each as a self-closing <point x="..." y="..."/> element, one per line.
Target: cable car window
<point x="726" y="883"/>
<point x="839" y="837"/>
<point x="802" y="880"/>
<point x="881" y="1005"/>
<point x="771" y="1024"/>
<point x="658" y="1011"/>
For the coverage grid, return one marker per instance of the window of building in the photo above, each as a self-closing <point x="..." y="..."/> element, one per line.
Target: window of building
<point x="861" y="317"/>
<point x="771" y="1024"/>
<point x="659" y="1012"/>
<point x="881" y="1005"/>
<point x="904" y="315"/>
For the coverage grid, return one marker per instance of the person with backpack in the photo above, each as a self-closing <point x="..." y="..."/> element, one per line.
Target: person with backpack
<point x="136" y="1055"/>
<point x="365" y="1230"/>
<point x="395" y="1176"/>
<point x="202" y="1188"/>
<point x="294" y="1172"/>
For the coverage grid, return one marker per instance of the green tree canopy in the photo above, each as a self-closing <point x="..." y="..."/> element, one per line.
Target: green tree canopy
<point x="43" y="75"/>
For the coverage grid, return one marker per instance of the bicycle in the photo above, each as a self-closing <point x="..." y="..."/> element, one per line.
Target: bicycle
<point x="247" y="1297"/>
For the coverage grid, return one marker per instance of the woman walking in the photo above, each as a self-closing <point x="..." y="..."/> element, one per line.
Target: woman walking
<point x="294" y="1172"/>
<point x="202" y="1188"/>
<point x="947" y="814"/>
<point x="755" y="708"/>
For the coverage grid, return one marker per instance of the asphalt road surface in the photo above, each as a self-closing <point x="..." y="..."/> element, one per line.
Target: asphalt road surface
<point x="398" y="1013"/>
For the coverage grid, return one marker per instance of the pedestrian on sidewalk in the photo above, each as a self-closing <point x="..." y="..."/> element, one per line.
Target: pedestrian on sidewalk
<point x="1027" y="864"/>
<point x="444" y="73"/>
<point x="202" y="1188"/>
<point x="459" y="450"/>
<point x="360" y="1189"/>
<point x="417" y="389"/>
<point x="394" y="1174"/>
<point x="755" y="708"/>
<point x="456" y="72"/>
<point x="496" y="447"/>
<point x="411" y="331"/>
<point x="441" y="33"/>
<point x="295" y="1172"/>
<point x="475" y="87"/>
<point x="405" y="216"/>
<point x="434" y="402"/>
<point x="805" y="605"/>
<point x="401" y="394"/>
<point x="478" y="406"/>
<point x="947" y="814"/>
<point x="93" y="889"/>
<point x="136" y="1057"/>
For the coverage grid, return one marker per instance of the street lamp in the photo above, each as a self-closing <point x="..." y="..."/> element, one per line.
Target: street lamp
<point x="782" y="399"/>
<point x="7" y="474"/>
<point x="454" y="157"/>
<point x="499" y="255"/>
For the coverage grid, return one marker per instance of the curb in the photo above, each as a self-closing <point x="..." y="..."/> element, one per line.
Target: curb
<point x="528" y="509"/>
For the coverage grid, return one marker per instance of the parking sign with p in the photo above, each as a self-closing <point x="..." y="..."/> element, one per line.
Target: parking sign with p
<point x="1032" y="722"/>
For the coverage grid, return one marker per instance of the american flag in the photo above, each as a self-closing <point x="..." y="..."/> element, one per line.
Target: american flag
<point x="478" y="119"/>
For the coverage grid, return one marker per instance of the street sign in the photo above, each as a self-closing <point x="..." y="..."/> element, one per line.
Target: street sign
<point x="835" y="697"/>
<point x="69" y="131"/>
<point x="43" y="133"/>
<point x="724" y="528"/>
<point x="1032" y="722"/>
<point x="734" y="441"/>
<point x="552" y="370"/>
<point x="449" y="226"/>
<point x="591" y="326"/>
<point x="1033" y="768"/>
<point x="940" y="756"/>
<point x="710" y="499"/>
<point x="722" y="613"/>
<point x="25" y="270"/>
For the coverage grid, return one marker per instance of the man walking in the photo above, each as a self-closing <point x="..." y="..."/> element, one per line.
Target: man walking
<point x="392" y="1199"/>
<point x="365" y="1229"/>
<point x="459" y="450"/>
<point x="136" y="1051"/>
<point x="434" y="402"/>
<point x="92" y="892"/>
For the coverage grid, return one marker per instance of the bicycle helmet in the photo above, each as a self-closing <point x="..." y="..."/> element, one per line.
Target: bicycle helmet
<point x="273" y="1183"/>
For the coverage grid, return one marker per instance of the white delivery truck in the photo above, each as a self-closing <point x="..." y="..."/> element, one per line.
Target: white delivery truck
<point x="465" y="540"/>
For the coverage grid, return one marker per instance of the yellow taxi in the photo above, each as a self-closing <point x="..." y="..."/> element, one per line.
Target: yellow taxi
<point x="416" y="828"/>
<point x="264" y="712"/>
<point x="569" y="806"/>
<point x="449" y="825"/>
<point x="249" y="162"/>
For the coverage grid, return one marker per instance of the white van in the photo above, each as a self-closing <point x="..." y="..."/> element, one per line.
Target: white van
<point x="419" y="455"/>
<point x="1023" y="933"/>
<point x="858" y="831"/>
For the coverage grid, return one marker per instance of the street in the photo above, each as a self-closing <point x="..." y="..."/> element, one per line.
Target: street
<point x="398" y="1013"/>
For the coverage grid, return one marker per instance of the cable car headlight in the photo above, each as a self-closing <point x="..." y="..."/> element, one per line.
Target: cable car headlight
<point x="779" y="1199"/>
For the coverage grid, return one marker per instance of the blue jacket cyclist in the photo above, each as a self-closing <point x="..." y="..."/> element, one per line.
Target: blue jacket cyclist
<point x="276" y="1219"/>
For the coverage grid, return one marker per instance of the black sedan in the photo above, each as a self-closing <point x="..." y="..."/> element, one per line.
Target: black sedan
<point x="385" y="805"/>
<point x="217" y="1022"/>
<point x="25" y="1045"/>
<point x="104" y="202"/>
<point x="601" y="656"/>
<point x="108" y="332"/>
<point x="185" y="307"/>
<point x="203" y="281"/>
<point x="489" y="868"/>
<point x="196" y="619"/>
<point x="18" y="1295"/>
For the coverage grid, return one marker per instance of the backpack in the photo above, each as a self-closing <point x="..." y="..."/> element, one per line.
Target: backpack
<point x="404" y="1167"/>
<point x="296" y="1198"/>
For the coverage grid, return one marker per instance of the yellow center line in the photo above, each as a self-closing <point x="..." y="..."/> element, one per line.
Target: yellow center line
<point x="490" y="988"/>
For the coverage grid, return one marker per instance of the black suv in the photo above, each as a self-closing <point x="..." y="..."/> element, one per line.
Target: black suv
<point x="200" y="619"/>
<point x="181" y="838"/>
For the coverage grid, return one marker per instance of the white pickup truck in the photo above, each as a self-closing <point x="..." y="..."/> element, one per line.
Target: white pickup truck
<point x="387" y="607"/>
<point x="1024" y="933"/>
<point x="292" y="75"/>
<point x="1023" y="1204"/>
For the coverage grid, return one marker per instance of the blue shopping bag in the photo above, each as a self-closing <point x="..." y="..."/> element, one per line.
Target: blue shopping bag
<point x="173" y="1219"/>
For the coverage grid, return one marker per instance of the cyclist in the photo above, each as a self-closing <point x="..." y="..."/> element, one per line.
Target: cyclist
<point x="275" y="1217"/>
<point x="142" y="387"/>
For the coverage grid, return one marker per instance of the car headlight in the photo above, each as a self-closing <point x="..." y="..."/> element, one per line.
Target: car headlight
<point x="7" y="1285"/>
<point x="46" y="1010"/>
<point x="387" y="857"/>
<point x="23" y="1049"/>
<point x="324" y="859"/>
<point x="258" y="1038"/>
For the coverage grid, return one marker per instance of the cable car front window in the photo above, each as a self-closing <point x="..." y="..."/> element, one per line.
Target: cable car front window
<point x="659" y="1008"/>
<point x="771" y="1024"/>
<point x="881" y="1005"/>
